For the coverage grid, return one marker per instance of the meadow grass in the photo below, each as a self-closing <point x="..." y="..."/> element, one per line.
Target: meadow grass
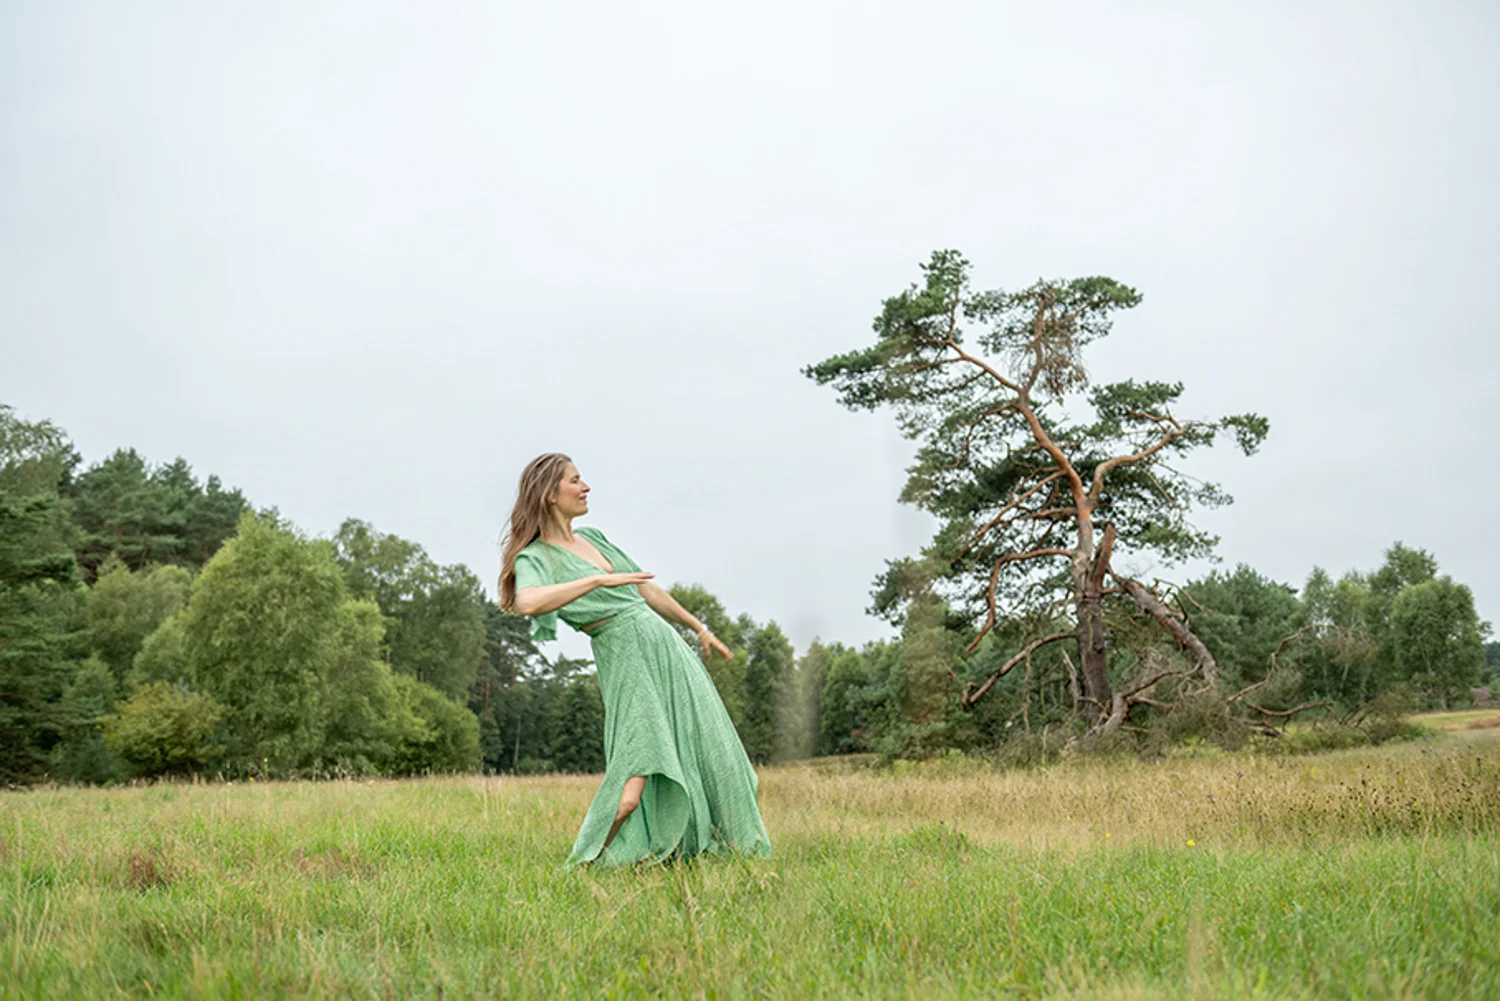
<point x="1368" y="873"/>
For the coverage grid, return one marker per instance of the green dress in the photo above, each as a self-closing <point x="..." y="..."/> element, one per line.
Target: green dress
<point x="662" y="719"/>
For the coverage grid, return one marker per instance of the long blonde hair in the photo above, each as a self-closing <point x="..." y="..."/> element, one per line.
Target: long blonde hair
<point x="538" y="482"/>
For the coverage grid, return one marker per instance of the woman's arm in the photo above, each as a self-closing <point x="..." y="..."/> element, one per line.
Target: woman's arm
<point x="663" y="604"/>
<point x="550" y="597"/>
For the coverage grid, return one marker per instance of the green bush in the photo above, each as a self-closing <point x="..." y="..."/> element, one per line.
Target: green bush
<point x="1322" y="736"/>
<point x="1382" y="731"/>
<point x="161" y="657"/>
<point x="164" y="729"/>
<point x="1380" y="724"/>
<point x="447" y="739"/>
<point x="80" y="754"/>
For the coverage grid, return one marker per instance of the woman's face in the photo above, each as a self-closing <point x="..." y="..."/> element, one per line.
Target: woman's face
<point x="571" y="499"/>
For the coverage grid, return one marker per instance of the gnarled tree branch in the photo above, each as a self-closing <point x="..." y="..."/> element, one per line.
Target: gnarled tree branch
<point x="1173" y="624"/>
<point x="970" y="697"/>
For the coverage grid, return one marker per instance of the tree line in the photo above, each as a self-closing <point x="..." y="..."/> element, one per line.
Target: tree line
<point x="152" y="624"/>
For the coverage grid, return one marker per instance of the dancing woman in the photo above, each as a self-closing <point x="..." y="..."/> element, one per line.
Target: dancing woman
<point x="677" y="781"/>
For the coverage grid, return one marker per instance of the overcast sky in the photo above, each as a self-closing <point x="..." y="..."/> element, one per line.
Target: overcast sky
<point x="368" y="259"/>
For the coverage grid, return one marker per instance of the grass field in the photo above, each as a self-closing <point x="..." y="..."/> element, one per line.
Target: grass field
<point x="1369" y="873"/>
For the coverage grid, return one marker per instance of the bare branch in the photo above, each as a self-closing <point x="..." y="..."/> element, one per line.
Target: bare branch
<point x="989" y="620"/>
<point x="1287" y="712"/>
<point x="1274" y="654"/>
<point x="971" y="697"/>
<point x="1010" y="505"/>
<point x="1173" y="624"/>
<point x="1072" y="679"/>
<point x="1171" y="434"/>
<point x="1153" y="680"/>
<point x="984" y="365"/>
<point x="1051" y="514"/>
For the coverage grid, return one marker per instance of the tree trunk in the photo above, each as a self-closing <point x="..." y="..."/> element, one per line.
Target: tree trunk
<point x="1091" y="653"/>
<point x="1089" y="592"/>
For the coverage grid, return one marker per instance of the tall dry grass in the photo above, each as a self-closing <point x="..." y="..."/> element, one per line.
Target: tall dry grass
<point x="1370" y="873"/>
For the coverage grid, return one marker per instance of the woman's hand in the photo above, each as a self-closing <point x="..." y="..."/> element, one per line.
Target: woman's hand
<point x="710" y="643"/>
<point x="621" y="579"/>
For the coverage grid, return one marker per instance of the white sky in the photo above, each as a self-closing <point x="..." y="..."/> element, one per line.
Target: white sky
<point x="368" y="259"/>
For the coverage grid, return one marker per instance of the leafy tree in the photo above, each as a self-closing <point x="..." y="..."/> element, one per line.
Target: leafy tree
<point x="163" y="729"/>
<point x="1242" y="617"/>
<point x="124" y="607"/>
<point x="447" y="738"/>
<point x="366" y="724"/>
<point x="728" y="675"/>
<point x="124" y="508"/>
<point x="162" y="656"/>
<point x="861" y="698"/>
<point x="838" y="719"/>
<point x="1438" y="639"/>
<point x="577" y="727"/>
<point x="1372" y="632"/>
<point x="1342" y="662"/>
<point x="1492" y="658"/>
<point x="926" y="687"/>
<point x="509" y="652"/>
<point x="41" y="634"/>
<point x="1402" y="567"/>
<point x="436" y="620"/>
<point x="768" y="671"/>
<point x="517" y="730"/>
<point x="499" y="692"/>
<point x="211" y="518"/>
<point x="81" y="755"/>
<point x="877" y="704"/>
<point x="120" y="513"/>
<point x="261" y="635"/>
<point x="35" y="456"/>
<point x="440" y="637"/>
<point x="1032" y="502"/>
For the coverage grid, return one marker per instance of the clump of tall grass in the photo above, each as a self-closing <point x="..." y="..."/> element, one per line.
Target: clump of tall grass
<point x="1242" y="798"/>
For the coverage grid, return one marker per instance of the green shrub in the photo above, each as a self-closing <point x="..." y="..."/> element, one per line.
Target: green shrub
<point x="161" y="657"/>
<point x="1330" y="735"/>
<point x="80" y="754"/>
<point x="164" y="729"/>
<point x="447" y="739"/>
<point x="1383" y="731"/>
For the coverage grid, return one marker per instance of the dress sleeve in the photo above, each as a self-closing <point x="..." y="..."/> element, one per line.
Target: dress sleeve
<point x="531" y="572"/>
<point x="618" y="558"/>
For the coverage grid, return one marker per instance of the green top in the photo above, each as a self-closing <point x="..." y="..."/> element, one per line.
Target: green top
<point x="542" y="563"/>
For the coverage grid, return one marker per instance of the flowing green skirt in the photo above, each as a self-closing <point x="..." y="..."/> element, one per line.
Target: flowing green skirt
<point x="663" y="719"/>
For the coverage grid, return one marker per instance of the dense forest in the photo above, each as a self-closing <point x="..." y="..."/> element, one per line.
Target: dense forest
<point x="154" y="624"/>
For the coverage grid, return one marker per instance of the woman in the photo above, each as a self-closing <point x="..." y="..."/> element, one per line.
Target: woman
<point x="676" y="780"/>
